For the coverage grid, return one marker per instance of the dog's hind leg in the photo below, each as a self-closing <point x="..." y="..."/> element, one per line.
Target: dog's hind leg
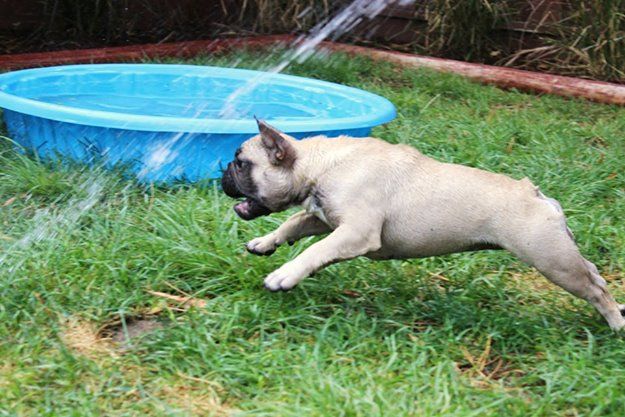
<point x="545" y="242"/>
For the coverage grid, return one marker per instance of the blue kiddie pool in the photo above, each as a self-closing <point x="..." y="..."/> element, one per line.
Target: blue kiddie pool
<point x="172" y="122"/>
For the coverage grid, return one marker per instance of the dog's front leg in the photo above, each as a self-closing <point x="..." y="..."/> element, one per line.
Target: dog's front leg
<point x="299" y="225"/>
<point x="345" y="242"/>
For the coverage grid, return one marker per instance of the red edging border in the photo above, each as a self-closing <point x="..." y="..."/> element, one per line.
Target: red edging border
<point x="598" y="91"/>
<point x="135" y="52"/>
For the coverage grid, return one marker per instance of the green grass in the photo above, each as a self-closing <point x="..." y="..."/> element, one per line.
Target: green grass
<point x="462" y="335"/>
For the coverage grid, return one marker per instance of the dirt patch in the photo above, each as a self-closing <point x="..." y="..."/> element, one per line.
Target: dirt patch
<point x="195" y="397"/>
<point x="184" y="394"/>
<point x="7" y="371"/>
<point x="134" y="329"/>
<point x="86" y="339"/>
<point x="83" y="338"/>
<point x="126" y="332"/>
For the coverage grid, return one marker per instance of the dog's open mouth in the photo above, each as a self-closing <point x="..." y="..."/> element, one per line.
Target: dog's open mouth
<point x="249" y="209"/>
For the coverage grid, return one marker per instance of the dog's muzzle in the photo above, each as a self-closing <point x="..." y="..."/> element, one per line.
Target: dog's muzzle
<point x="229" y="185"/>
<point x="247" y="209"/>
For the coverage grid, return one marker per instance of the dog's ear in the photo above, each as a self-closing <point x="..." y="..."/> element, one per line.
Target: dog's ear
<point x="279" y="148"/>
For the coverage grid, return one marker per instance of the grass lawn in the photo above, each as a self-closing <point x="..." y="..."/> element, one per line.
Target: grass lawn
<point x="469" y="334"/>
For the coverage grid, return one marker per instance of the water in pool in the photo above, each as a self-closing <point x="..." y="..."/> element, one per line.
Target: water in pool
<point x="191" y="107"/>
<point x="203" y="97"/>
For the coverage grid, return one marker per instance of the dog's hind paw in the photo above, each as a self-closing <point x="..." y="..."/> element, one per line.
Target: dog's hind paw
<point x="262" y="246"/>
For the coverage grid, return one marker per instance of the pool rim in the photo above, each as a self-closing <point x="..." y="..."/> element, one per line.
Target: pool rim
<point x="384" y="109"/>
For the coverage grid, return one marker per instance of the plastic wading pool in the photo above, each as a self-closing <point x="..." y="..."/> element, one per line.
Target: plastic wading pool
<point x="172" y="122"/>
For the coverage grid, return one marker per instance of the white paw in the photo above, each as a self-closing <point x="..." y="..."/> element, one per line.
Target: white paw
<point x="284" y="278"/>
<point x="618" y="325"/>
<point x="265" y="245"/>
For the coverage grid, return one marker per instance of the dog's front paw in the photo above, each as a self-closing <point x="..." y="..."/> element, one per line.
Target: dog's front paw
<point x="265" y="245"/>
<point x="284" y="278"/>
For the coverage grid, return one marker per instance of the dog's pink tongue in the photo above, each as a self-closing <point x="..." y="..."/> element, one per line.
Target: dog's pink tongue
<point x="242" y="208"/>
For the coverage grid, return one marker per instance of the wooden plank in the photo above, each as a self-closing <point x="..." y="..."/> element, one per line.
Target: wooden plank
<point x="131" y="53"/>
<point x="535" y="82"/>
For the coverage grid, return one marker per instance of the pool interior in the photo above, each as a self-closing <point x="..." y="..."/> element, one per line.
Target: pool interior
<point x="187" y="96"/>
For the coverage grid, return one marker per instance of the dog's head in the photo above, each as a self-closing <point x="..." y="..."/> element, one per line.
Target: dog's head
<point x="262" y="173"/>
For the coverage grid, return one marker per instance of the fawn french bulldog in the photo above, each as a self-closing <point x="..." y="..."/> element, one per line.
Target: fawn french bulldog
<point x="386" y="201"/>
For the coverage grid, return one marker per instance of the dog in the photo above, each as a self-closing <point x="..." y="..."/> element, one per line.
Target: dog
<point x="389" y="201"/>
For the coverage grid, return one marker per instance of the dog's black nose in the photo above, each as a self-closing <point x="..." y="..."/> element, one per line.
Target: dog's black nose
<point x="228" y="184"/>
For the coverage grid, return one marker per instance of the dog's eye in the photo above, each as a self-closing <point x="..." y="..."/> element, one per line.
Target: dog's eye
<point x="240" y="164"/>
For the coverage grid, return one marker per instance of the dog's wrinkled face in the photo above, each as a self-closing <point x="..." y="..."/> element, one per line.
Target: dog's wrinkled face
<point x="262" y="174"/>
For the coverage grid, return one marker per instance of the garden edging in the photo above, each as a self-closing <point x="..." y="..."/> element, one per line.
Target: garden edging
<point x="529" y="81"/>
